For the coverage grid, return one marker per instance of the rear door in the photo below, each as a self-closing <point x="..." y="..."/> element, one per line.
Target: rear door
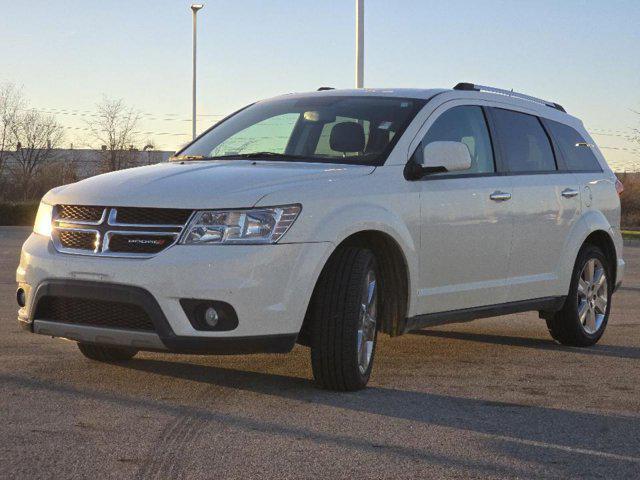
<point x="579" y="157"/>
<point x="545" y="202"/>
<point x="466" y="223"/>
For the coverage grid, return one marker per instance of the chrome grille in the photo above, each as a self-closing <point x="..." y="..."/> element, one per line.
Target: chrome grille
<point x="81" y="214"/>
<point x="78" y="239"/>
<point x="118" y="231"/>
<point x="152" y="216"/>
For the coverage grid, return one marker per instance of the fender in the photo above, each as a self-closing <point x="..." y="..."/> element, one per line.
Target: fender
<point x="348" y="220"/>
<point x="590" y="221"/>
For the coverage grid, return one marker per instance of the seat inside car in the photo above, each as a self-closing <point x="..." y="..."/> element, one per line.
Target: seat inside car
<point x="347" y="137"/>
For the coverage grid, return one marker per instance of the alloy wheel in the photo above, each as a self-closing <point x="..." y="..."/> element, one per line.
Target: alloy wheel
<point x="592" y="295"/>
<point x="367" y="322"/>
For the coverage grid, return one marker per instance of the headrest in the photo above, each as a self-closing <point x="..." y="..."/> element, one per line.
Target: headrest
<point x="347" y="137"/>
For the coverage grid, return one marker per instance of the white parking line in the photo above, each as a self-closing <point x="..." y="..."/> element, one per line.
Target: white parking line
<point x="564" y="448"/>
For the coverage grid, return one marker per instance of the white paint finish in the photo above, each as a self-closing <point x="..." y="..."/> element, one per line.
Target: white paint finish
<point x="216" y="184"/>
<point x="461" y="248"/>
<point x="268" y="285"/>
<point x="543" y="220"/>
<point x="453" y="156"/>
<point x="465" y="243"/>
<point x="382" y="201"/>
<point x="599" y="193"/>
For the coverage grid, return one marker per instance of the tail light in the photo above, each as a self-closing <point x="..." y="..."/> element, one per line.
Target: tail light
<point x="619" y="187"/>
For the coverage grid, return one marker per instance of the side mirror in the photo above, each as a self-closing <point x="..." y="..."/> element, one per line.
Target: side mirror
<point x="446" y="156"/>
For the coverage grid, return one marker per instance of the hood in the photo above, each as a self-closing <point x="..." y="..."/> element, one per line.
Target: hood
<point x="215" y="184"/>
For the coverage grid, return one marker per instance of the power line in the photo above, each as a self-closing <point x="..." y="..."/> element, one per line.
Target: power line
<point x="87" y="129"/>
<point x="94" y="114"/>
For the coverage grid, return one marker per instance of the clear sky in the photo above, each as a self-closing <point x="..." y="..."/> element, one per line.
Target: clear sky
<point x="68" y="54"/>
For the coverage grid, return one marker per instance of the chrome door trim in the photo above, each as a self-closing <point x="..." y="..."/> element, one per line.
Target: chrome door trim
<point x="569" y="193"/>
<point x="499" y="196"/>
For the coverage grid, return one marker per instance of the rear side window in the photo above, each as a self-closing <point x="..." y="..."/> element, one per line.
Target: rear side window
<point x="525" y="145"/>
<point x="465" y="124"/>
<point x="576" y="151"/>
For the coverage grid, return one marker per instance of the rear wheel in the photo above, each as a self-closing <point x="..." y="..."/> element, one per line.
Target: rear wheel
<point x="585" y="314"/>
<point x="102" y="353"/>
<point x="344" y="321"/>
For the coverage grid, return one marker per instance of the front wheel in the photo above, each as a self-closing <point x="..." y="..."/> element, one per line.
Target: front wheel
<point x="585" y="314"/>
<point x="344" y="321"/>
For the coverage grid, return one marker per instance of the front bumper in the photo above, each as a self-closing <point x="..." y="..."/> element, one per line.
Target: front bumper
<point x="269" y="286"/>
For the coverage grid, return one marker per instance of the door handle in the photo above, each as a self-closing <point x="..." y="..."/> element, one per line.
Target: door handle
<point x="569" y="193"/>
<point x="499" y="196"/>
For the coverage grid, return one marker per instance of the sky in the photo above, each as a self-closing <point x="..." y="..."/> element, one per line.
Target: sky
<point x="67" y="55"/>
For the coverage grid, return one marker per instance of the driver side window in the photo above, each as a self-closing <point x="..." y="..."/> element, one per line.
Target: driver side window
<point x="465" y="124"/>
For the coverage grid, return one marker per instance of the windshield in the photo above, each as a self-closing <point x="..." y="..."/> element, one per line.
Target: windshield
<point x="336" y="129"/>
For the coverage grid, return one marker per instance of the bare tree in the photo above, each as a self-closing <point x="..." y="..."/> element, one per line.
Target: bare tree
<point x="114" y="129"/>
<point x="11" y="102"/>
<point x="35" y="137"/>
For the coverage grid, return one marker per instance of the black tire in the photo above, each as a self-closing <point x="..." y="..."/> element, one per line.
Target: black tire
<point x="336" y="314"/>
<point x="102" y="353"/>
<point x="565" y="325"/>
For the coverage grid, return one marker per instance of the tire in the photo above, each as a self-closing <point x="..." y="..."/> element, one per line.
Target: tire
<point x="107" y="354"/>
<point x="566" y="326"/>
<point x="340" y="357"/>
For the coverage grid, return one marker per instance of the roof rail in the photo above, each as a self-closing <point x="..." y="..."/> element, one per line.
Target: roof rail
<point x="321" y="89"/>
<point x="509" y="93"/>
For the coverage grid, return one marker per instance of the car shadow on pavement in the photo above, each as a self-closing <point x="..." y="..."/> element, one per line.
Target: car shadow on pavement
<point x="541" y="435"/>
<point x="560" y="431"/>
<point x="204" y="418"/>
<point x="537" y="343"/>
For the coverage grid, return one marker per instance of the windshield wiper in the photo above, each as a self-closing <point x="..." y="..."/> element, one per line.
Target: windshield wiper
<point x="187" y="157"/>
<point x="248" y="156"/>
<point x="258" y="155"/>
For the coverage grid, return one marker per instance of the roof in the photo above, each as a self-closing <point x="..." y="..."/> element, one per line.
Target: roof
<point x="422" y="93"/>
<point x="532" y="104"/>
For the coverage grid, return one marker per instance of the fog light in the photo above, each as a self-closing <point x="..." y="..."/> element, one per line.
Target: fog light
<point x="21" y="297"/>
<point x="211" y="317"/>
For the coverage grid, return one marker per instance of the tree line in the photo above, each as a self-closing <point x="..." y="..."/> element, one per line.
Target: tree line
<point x="32" y="158"/>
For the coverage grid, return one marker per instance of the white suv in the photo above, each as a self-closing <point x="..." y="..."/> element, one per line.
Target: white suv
<point x="324" y="218"/>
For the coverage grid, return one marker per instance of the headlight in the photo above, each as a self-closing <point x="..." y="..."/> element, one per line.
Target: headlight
<point x="257" y="225"/>
<point x="42" y="225"/>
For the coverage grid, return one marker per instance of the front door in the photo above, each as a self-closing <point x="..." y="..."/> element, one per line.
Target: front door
<point x="466" y="220"/>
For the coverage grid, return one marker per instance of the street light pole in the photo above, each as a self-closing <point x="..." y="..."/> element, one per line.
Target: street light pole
<point x="359" y="43"/>
<point x="194" y="8"/>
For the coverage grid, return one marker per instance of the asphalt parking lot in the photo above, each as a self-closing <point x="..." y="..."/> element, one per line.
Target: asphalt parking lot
<point x="493" y="398"/>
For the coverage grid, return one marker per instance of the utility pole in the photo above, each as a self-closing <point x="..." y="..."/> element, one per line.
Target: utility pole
<point x="194" y="8"/>
<point x="359" y="43"/>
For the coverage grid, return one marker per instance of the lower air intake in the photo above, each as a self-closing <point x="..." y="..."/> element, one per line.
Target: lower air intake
<point x="95" y="313"/>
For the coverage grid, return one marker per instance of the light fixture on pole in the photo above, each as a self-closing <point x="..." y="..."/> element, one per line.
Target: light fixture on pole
<point x="194" y="8"/>
<point x="359" y="43"/>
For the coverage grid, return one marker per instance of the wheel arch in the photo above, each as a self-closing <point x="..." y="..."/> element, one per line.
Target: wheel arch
<point x="603" y="240"/>
<point x="592" y="228"/>
<point x="395" y="280"/>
